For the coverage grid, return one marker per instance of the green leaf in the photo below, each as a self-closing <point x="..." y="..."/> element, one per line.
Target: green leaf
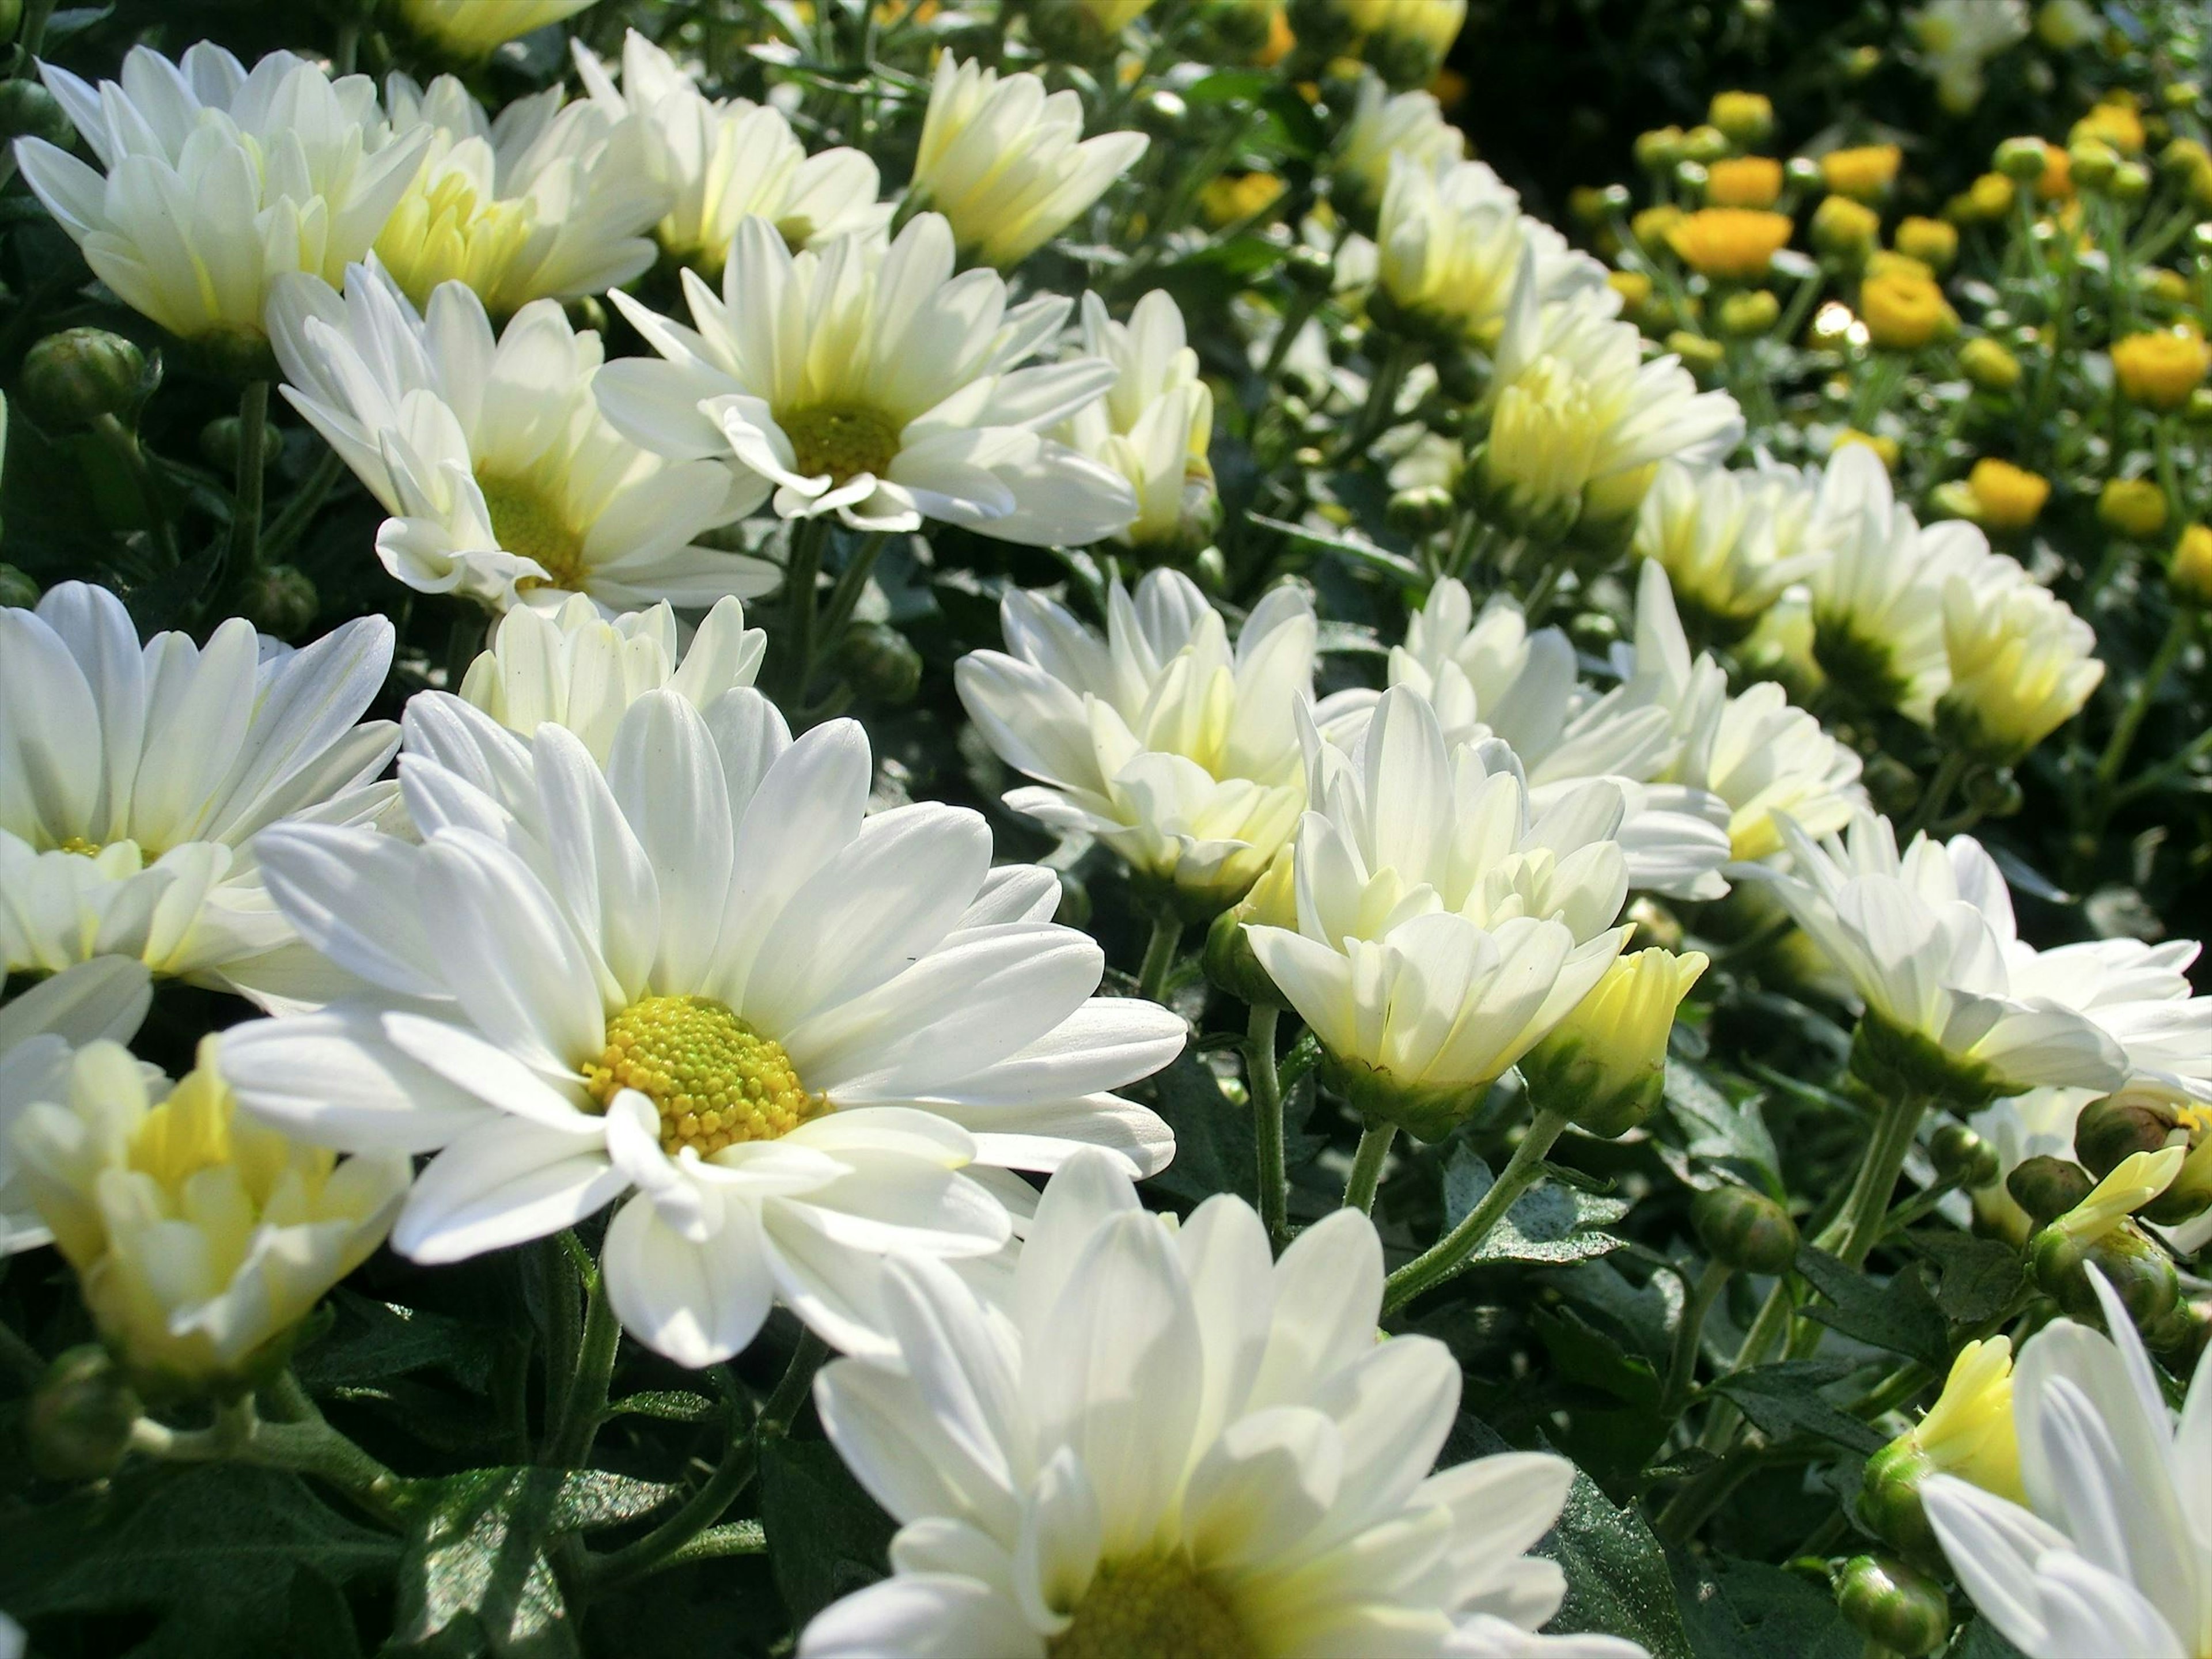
<point x="1395" y="566"/>
<point x="1899" y="1315"/>
<point x="1978" y="1279"/>
<point x="1215" y="1151"/>
<point x="826" y="1538"/>
<point x="1552" y="1222"/>
<point x="1718" y="1130"/>
<point x="371" y="1341"/>
<point x="666" y="1406"/>
<point x="1785" y="1399"/>
<point x="1749" y="1610"/>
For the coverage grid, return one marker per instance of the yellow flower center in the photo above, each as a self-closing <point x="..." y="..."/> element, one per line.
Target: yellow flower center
<point x="525" y="520"/>
<point x="714" y="1080"/>
<point x="80" y="847"/>
<point x="841" y="439"/>
<point x="1158" y="1608"/>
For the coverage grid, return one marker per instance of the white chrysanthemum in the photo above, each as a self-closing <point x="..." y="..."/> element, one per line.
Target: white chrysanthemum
<point x="219" y="181"/>
<point x="503" y="483"/>
<point x="1452" y="244"/>
<point x="545" y="202"/>
<point x="1958" y="39"/>
<point x="101" y="1000"/>
<point x="1178" y="752"/>
<point x="2021" y="663"/>
<point x="471" y="28"/>
<point x="728" y="159"/>
<point x="1170" y="1444"/>
<point x="1730" y="542"/>
<point x="1006" y="163"/>
<point x="2113" y="1553"/>
<point x="2139" y="993"/>
<point x="800" y="1038"/>
<point x="1155" y="424"/>
<point x="1959" y="1003"/>
<point x="134" y="781"/>
<point x="1383" y="127"/>
<point x="573" y="667"/>
<point x="1579" y="421"/>
<point x="869" y="381"/>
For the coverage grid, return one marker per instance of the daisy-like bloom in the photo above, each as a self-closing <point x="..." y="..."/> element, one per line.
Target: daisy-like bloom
<point x="218" y="182"/>
<point x="1179" y="752"/>
<point x="1607" y="1060"/>
<point x="1958" y="38"/>
<point x="1154" y="425"/>
<point x="2112" y="1550"/>
<point x="2159" y="371"/>
<point x="200" y="1239"/>
<point x="547" y="201"/>
<point x="1404" y="39"/>
<point x="1443" y="927"/>
<point x="801" y="1038"/>
<point x="503" y="483"/>
<point x="101" y="1000"/>
<point x="1967" y="1433"/>
<point x="2021" y="663"/>
<point x="1006" y="163"/>
<point x="1730" y="244"/>
<point x="1729" y="541"/>
<point x="728" y="159"/>
<point x="1579" y="421"/>
<point x="1167" y="1442"/>
<point x="575" y="667"/>
<point x="1383" y="126"/>
<point x="1957" y="1005"/>
<point x="871" y="382"/>
<point x="472" y="28"/>
<point x="134" y="781"/>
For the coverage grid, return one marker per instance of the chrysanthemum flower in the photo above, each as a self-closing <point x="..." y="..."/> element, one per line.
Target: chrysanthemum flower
<point x="1731" y="244"/>
<point x="2006" y="497"/>
<point x="1153" y="426"/>
<point x="2022" y="662"/>
<point x="1006" y="163"/>
<point x="1863" y="173"/>
<point x="1904" y="309"/>
<point x="871" y="382"/>
<point x="2159" y="370"/>
<point x="1404" y="39"/>
<point x="1744" y="181"/>
<point x="134" y="781"/>
<point x="219" y="181"/>
<point x="1384" y="126"/>
<point x="101" y="1000"/>
<point x="1606" y="1062"/>
<point x="1452" y="243"/>
<point x="800" y="1038"/>
<point x="728" y="159"/>
<point x="1178" y="752"/>
<point x="543" y="201"/>
<point x="471" y="28"/>
<point x="1170" y="1444"/>
<point x="504" y="484"/>
<point x="1968" y="1433"/>
<point x="1729" y="541"/>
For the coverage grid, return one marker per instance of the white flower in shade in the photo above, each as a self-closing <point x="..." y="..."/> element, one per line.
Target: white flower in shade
<point x="134" y="781"/>
<point x="1453" y="243"/>
<point x="218" y="182"/>
<point x="1384" y="126"/>
<point x="1730" y="542"/>
<point x="1957" y="1004"/>
<point x="503" y="483"/>
<point x="728" y="159"/>
<point x="1178" y="751"/>
<point x="199" y="1239"/>
<point x="471" y="28"/>
<point x="1443" y="927"/>
<point x="2021" y="663"/>
<point x="1168" y="1442"/>
<point x="801" y="1039"/>
<point x="1579" y="421"/>
<point x="101" y="1000"/>
<point x="547" y="201"/>
<point x="869" y="381"/>
<point x="575" y="667"/>
<point x="1007" y="163"/>
<point x="1957" y="40"/>
<point x="1154" y="425"/>
<point x="2112" y="1552"/>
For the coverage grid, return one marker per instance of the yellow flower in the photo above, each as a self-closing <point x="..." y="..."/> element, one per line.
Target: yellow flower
<point x="1746" y="116"/>
<point x="1931" y="241"/>
<point x="2189" y="573"/>
<point x="1884" y="448"/>
<point x="2135" y="507"/>
<point x="1903" y="312"/>
<point x="1844" y="228"/>
<point x="1634" y="287"/>
<point x="1987" y="200"/>
<point x="1744" y="181"/>
<point x="2135" y="1180"/>
<point x="1654" y="224"/>
<point x="2159" y="371"/>
<point x="1988" y="365"/>
<point x="1735" y="244"/>
<point x="1968" y="1431"/>
<point x="1232" y="197"/>
<point x="1608" y="1059"/>
<point x="2058" y="176"/>
<point x="2117" y="124"/>
<point x="471" y="28"/>
<point x="2007" y="497"/>
<point x="2189" y="164"/>
<point x="1882" y="262"/>
<point x="1864" y="173"/>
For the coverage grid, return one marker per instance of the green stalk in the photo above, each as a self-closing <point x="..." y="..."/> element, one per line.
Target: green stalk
<point x="1858" y="1224"/>
<point x="245" y="499"/>
<point x="809" y="539"/>
<point x="1159" y="956"/>
<point x="1367" y="1167"/>
<point x="584" y="1406"/>
<point x="1445" y="1258"/>
<point x="1265" y="1086"/>
<point x="1682" y="1363"/>
<point x="307" y="1445"/>
<point x="1382" y="391"/>
<point x="2139" y="702"/>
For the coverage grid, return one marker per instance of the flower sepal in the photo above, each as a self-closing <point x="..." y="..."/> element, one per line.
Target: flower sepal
<point x="1426" y="1113"/>
<point x="1891" y="1060"/>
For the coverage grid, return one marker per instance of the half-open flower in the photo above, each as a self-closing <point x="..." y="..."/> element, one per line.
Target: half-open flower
<point x="101" y="1000"/>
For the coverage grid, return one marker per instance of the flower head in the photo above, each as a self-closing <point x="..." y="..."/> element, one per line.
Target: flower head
<point x="1844" y="228"/>
<point x="2159" y="370"/>
<point x="1165" y="1443"/>
<point x="1008" y="164"/>
<point x="1746" y="116"/>
<point x="1154" y="424"/>
<point x="869" y="381"/>
<point x="1864" y="173"/>
<point x="1383" y="126"/>
<point x="1904" y="309"/>
<point x="1452" y="243"/>
<point x="2134" y="508"/>
<point x="2006" y="497"/>
<point x="2021" y="663"/>
<point x="1968" y="1433"/>
<point x="1729" y="541"/>
<point x="1933" y="242"/>
<point x="1404" y="39"/>
<point x="1744" y="181"/>
<point x="471" y="28"/>
<point x="503" y="483"/>
<point x="2189" y="570"/>
<point x="200" y="1239"/>
<point x="1607" y="1060"/>
<point x="1957" y="40"/>
<point x="1734" y="244"/>
<point x="218" y="181"/>
<point x="100" y="1000"/>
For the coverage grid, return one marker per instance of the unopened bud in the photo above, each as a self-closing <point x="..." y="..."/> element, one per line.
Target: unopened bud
<point x="1704" y="145"/>
<point x="1988" y="365"/>
<point x="880" y="663"/>
<point x="1309" y="269"/>
<point x="1961" y="1156"/>
<point x="2092" y="163"/>
<point x="78" y="1424"/>
<point x="2046" y="1187"/>
<point x="2115" y="1128"/>
<point x="1748" y="314"/>
<point x="17" y="590"/>
<point x="282" y="601"/>
<point x="1896" y="1606"/>
<point x="27" y="110"/>
<point x="1421" y="511"/>
<point x="1659" y="149"/>
<point x="219" y="444"/>
<point x="1699" y="354"/>
<point x="2141" y="1273"/>
<point x="2021" y="159"/>
<point x="2134" y="508"/>
<point x="73" y="378"/>
<point x="1745" y="1230"/>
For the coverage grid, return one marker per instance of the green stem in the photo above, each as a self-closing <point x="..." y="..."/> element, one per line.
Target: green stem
<point x="1682" y="1363"/>
<point x="1159" y="956"/>
<point x="852" y="582"/>
<point x="782" y="1407"/>
<point x="809" y="539"/>
<point x="124" y="443"/>
<point x="1448" y="1254"/>
<point x="1950" y="772"/>
<point x="293" y="517"/>
<point x="2139" y="702"/>
<point x="1858" y="1224"/>
<point x="562" y="1291"/>
<point x="309" y="1445"/>
<point x="33" y="34"/>
<point x="1266" y="1091"/>
<point x="1303" y="305"/>
<point x="2169" y="475"/>
<point x="585" y="1405"/>
<point x="1367" y="1167"/>
<point x="245" y="496"/>
<point x="659" y="1547"/>
<point x="1382" y="398"/>
<point x="1767" y="1333"/>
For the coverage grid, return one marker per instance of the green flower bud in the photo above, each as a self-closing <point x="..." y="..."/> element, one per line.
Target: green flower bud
<point x="78" y="1425"/>
<point x="2131" y="182"/>
<point x="1743" y="1229"/>
<point x="17" y="590"/>
<point x="1746" y="315"/>
<point x="1704" y="145"/>
<point x="1891" y="1604"/>
<point x="2132" y="1120"/>
<point x="282" y="601"/>
<point x="1699" y="354"/>
<point x="73" y="378"/>
<point x="880" y="663"/>
<point x="1962" y="1157"/>
<point x="1690" y="178"/>
<point x="2140" y="1273"/>
<point x="1309" y="269"/>
<point x="1421" y="511"/>
<point x="2047" y="1187"/>
<point x="1605" y="1064"/>
<point x="27" y="110"/>
<point x="1994" y="792"/>
<point x="1988" y="365"/>
<point x="2092" y="163"/>
<point x="1230" y="962"/>
<point x="1889" y="1498"/>
<point x="11" y="18"/>
<point x="219" y="442"/>
<point x="1659" y="149"/>
<point x="1802" y="172"/>
<point x="2020" y="160"/>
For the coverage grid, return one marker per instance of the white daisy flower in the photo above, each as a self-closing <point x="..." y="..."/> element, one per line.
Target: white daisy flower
<point x="134" y="781"/>
<point x="1453" y="244"/>
<point x="1006" y="163"/>
<point x="1730" y="541"/>
<point x="2021" y="663"/>
<point x="218" y="182"/>
<point x="728" y="159"/>
<point x="503" y="483"/>
<point x="546" y="201"/>
<point x="101" y="1000"/>
<point x="471" y="28"/>
<point x="799" y="1038"/>
<point x="1384" y="126"/>
<point x="2112" y="1552"/>
<point x="1153" y="426"/>
<point x="869" y="381"/>
<point x="1168" y="1442"/>
<point x="1178" y="751"/>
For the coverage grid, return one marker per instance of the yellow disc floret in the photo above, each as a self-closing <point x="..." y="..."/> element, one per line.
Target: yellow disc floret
<point x="842" y="440"/>
<point x="526" y="520"/>
<point x="1159" y="1608"/>
<point x="714" y="1080"/>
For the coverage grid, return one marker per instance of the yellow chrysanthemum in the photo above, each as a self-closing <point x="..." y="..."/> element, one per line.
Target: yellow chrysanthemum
<point x="2134" y="508"/>
<point x="1902" y="312"/>
<point x="1734" y="244"/>
<point x="1744" y="181"/>
<point x="1746" y="116"/>
<point x="1844" y="228"/>
<point x="1863" y="173"/>
<point x="2189" y="574"/>
<point x="2159" y="371"/>
<point x="1931" y="241"/>
<point x="2007" y="497"/>
<point x="2116" y="123"/>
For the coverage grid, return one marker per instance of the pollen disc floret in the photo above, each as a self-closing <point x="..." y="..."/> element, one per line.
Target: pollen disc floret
<point x="528" y="521"/>
<point x="841" y="439"/>
<point x="714" y="1080"/>
<point x="1156" y="1606"/>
